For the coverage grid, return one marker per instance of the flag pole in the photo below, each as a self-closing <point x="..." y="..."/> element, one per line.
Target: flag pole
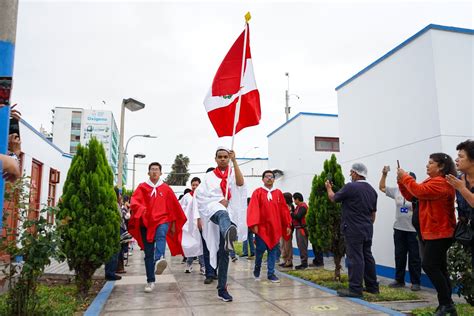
<point x="237" y="107"/>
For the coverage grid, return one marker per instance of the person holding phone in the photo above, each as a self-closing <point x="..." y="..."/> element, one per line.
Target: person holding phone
<point x="359" y="205"/>
<point x="437" y="222"/>
<point x="464" y="185"/>
<point x="404" y="236"/>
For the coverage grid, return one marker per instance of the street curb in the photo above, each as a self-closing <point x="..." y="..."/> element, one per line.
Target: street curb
<point x="355" y="300"/>
<point x="99" y="302"/>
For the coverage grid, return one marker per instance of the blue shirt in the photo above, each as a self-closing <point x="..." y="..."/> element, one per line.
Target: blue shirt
<point x="359" y="201"/>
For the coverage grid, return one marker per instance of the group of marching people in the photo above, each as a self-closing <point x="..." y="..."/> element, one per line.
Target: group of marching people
<point x="210" y="218"/>
<point x="215" y="214"/>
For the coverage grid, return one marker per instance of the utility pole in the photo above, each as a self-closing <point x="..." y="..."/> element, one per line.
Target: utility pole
<point x="8" y="21"/>
<point x="287" y="97"/>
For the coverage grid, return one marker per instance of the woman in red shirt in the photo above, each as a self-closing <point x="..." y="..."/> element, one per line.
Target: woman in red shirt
<point x="437" y="222"/>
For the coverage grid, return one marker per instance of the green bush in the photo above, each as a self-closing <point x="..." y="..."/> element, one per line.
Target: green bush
<point x="30" y="248"/>
<point x="324" y="217"/>
<point x="461" y="271"/>
<point x="90" y="229"/>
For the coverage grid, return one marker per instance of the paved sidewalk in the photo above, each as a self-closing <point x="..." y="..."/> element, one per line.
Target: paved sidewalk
<point x="179" y="293"/>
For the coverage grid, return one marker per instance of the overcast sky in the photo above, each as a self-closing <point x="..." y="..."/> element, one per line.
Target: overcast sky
<point x="165" y="54"/>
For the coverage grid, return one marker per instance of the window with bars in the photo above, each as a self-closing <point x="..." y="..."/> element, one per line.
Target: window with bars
<point x="326" y="144"/>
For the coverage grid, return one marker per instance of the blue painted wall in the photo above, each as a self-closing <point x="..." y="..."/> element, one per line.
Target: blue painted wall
<point x="7" y="51"/>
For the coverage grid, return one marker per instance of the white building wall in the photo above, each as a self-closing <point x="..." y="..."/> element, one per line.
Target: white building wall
<point x="36" y="146"/>
<point x="413" y="103"/>
<point x="62" y="128"/>
<point x="292" y="150"/>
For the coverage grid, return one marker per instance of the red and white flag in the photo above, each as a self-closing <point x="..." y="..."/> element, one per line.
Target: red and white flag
<point x="221" y="100"/>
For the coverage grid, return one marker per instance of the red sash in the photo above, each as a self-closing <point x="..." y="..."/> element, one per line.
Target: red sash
<point x="223" y="176"/>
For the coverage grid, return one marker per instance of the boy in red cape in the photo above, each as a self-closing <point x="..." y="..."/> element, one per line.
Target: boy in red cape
<point x="157" y="218"/>
<point x="269" y="219"/>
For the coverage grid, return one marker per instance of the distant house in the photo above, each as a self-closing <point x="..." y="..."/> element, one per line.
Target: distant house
<point x="299" y="147"/>
<point x="47" y="166"/>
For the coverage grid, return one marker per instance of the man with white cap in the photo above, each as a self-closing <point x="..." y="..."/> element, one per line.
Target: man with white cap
<point x="359" y="204"/>
<point x="222" y="203"/>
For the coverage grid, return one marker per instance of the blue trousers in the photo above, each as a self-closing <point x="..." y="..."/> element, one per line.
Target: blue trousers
<point x="248" y="244"/>
<point x="210" y="271"/>
<point x="221" y="218"/>
<point x="111" y="266"/>
<point x="154" y="250"/>
<point x="361" y="264"/>
<point x="271" y="257"/>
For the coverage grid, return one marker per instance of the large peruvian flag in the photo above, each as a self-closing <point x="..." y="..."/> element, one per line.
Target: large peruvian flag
<point x="221" y="100"/>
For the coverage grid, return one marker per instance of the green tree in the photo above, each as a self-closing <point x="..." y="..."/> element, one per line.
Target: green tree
<point x="324" y="217"/>
<point x="179" y="174"/>
<point x="88" y="211"/>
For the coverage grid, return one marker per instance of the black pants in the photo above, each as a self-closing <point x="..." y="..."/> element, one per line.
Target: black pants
<point x="406" y="243"/>
<point x="361" y="264"/>
<point x="435" y="264"/>
<point x="318" y="256"/>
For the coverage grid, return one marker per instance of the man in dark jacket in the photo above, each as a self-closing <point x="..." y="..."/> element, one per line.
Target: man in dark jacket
<point x="299" y="225"/>
<point x="359" y="204"/>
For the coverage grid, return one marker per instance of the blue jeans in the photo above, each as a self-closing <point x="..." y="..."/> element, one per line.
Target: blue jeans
<point x="271" y="258"/>
<point x="221" y="218"/>
<point x="111" y="266"/>
<point x="248" y="244"/>
<point x="152" y="253"/>
<point x="210" y="271"/>
<point x="189" y="260"/>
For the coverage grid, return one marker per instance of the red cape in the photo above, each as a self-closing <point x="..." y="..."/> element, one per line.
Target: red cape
<point x="151" y="211"/>
<point x="272" y="217"/>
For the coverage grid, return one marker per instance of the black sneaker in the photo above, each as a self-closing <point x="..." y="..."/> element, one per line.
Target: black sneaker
<point x="113" y="277"/>
<point x="208" y="280"/>
<point x="301" y="267"/>
<point x="230" y="237"/>
<point x="348" y="293"/>
<point x="372" y="291"/>
<point x="396" y="284"/>
<point x="224" y="295"/>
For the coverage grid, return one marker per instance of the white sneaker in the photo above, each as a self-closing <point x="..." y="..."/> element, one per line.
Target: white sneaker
<point x="161" y="266"/>
<point x="202" y="270"/>
<point x="188" y="269"/>
<point x="149" y="287"/>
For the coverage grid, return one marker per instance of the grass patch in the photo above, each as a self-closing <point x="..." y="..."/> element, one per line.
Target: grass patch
<point x="326" y="278"/>
<point x="55" y="300"/>
<point x="238" y="250"/>
<point x="462" y="309"/>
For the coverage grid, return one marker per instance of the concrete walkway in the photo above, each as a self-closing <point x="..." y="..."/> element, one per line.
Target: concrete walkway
<point x="179" y="293"/>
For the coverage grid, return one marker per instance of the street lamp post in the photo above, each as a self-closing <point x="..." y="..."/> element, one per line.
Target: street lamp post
<point x="132" y="105"/>
<point x="287" y="97"/>
<point x="139" y="156"/>
<point x="128" y="141"/>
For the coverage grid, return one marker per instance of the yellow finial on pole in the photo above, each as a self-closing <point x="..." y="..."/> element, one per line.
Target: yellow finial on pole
<point x="247" y="17"/>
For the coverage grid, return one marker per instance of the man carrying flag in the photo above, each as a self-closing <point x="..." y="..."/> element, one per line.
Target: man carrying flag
<point x="221" y="200"/>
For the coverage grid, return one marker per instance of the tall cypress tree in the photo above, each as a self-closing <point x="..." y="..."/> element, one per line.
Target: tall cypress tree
<point x="324" y="216"/>
<point x="88" y="209"/>
<point x="179" y="174"/>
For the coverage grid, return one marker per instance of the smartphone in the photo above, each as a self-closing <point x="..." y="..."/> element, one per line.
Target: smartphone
<point x="14" y="126"/>
<point x="398" y="164"/>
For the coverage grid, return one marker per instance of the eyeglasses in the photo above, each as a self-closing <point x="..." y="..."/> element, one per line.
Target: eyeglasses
<point x="269" y="177"/>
